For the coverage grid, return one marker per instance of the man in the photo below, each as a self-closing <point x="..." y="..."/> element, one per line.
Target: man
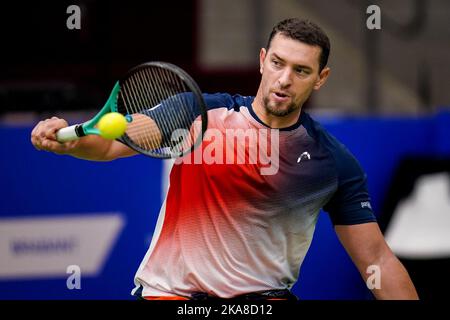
<point x="236" y="233"/>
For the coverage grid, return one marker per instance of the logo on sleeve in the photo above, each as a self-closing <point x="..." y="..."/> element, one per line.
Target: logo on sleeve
<point x="366" y="204"/>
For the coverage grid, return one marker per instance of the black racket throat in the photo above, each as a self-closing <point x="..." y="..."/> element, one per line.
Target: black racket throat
<point x="79" y="131"/>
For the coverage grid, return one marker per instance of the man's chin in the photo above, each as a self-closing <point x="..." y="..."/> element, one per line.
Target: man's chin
<point x="279" y="111"/>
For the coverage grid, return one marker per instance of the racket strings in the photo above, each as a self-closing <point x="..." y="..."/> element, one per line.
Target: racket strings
<point x="170" y="87"/>
<point x="161" y="94"/>
<point x="137" y="105"/>
<point x="144" y="92"/>
<point x="182" y="117"/>
<point x="140" y="130"/>
<point x="130" y="90"/>
<point x="148" y="133"/>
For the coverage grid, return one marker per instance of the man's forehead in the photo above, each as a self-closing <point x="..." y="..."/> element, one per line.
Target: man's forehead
<point x="295" y="51"/>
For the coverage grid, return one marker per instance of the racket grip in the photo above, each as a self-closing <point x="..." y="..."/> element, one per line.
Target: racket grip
<point x="67" y="134"/>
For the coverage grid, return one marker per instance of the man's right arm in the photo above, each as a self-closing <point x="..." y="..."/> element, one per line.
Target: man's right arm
<point x="95" y="148"/>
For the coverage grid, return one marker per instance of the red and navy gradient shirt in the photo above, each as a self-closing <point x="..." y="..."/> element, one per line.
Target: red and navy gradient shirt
<point x="225" y="228"/>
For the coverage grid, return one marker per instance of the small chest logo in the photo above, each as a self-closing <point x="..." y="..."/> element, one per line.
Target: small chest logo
<point x="304" y="155"/>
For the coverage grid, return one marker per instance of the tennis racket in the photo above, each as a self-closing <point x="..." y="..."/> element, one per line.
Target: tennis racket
<point x="163" y="106"/>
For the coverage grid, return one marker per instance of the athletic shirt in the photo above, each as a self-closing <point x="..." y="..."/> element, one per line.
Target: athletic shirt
<point x="227" y="229"/>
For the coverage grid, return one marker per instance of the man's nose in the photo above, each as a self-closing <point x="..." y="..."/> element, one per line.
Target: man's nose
<point x="285" y="79"/>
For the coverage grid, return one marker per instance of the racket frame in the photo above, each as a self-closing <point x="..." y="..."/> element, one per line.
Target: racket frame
<point x="192" y="85"/>
<point x="79" y="130"/>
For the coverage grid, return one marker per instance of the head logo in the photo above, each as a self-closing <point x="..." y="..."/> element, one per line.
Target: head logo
<point x="304" y="155"/>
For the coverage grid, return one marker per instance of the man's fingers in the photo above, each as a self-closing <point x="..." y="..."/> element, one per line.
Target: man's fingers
<point x="47" y="129"/>
<point x="56" y="123"/>
<point x="34" y="135"/>
<point x="37" y="135"/>
<point x="41" y="131"/>
<point x="43" y="136"/>
<point x="50" y="133"/>
<point x="53" y="146"/>
<point x="36" y="143"/>
<point x="53" y="126"/>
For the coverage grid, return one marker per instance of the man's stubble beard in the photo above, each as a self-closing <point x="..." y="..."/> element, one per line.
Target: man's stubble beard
<point x="277" y="112"/>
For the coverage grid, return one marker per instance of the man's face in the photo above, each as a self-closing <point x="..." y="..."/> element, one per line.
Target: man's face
<point x="290" y="71"/>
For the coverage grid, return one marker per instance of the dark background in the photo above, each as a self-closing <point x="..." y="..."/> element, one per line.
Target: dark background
<point x="44" y="66"/>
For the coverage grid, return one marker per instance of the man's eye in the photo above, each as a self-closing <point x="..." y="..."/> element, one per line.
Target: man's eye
<point x="276" y="62"/>
<point x="302" y="71"/>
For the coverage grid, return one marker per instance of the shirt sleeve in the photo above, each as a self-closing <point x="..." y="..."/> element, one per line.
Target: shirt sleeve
<point x="182" y="118"/>
<point x="182" y="109"/>
<point x="350" y="204"/>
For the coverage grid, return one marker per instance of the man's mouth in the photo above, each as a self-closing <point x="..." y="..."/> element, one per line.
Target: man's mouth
<point x="280" y="96"/>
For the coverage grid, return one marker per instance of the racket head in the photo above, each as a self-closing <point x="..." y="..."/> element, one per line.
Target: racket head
<point x="160" y="96"/>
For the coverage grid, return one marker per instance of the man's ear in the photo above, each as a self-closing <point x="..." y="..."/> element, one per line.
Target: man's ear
<point x="322" y="78"/>
<point x="262" y="56"/>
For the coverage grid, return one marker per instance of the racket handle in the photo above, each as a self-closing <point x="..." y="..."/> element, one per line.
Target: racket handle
<point x="67" y="134"/>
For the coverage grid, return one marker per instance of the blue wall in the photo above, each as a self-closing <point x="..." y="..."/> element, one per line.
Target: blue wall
<point x="36" y="183"/>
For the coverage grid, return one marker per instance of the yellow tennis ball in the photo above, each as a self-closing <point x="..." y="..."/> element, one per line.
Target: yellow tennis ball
<point x="112" y="125"/>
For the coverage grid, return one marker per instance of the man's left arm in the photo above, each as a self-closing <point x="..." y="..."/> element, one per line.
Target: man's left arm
<point x="367" y="247"/>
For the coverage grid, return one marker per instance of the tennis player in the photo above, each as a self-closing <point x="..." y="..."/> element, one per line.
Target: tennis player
<point x="226" y="230"/>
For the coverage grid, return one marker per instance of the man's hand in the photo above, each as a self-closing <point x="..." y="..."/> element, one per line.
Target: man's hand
<point x="90" y="147"/>
<point x="43" y="136"/>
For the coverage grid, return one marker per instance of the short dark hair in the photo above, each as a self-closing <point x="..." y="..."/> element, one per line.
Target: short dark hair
<point x="304" y="31"/>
